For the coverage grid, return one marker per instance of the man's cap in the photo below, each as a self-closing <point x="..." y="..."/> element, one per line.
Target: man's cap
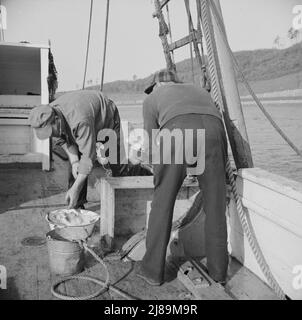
<point x="40" y="119"/>
<point x="162" y="76"/>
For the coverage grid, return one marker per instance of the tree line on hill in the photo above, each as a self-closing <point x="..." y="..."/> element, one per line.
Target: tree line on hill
<point x="257" y="65"/>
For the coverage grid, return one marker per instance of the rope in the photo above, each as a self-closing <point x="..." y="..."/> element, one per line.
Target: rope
<point x="105" y="285"/>
<point x="105" y="44"/>
<point x="252" y="240"/>
<point x="213" y="64"/>
<point x="246" y="225"/>
<point x="88" y="41"/>
<point x="252" y="93"/>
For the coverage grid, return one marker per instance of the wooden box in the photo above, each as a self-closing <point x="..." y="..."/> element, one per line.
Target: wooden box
<point x="125" y="205"/>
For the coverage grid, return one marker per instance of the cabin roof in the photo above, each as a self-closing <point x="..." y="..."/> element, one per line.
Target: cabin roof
<point x="24" y="45"/>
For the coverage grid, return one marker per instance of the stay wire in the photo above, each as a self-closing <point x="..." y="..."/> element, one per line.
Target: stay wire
<point x="88" y="42"/>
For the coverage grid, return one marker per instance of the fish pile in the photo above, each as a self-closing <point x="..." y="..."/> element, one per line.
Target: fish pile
<point x="72" y="217"/>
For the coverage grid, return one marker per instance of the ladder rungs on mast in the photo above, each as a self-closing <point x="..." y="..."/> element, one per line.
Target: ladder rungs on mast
<point x="184" y="41"/>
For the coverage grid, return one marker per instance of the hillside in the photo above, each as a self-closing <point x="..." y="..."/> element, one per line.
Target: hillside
<point x="267" y="69"/>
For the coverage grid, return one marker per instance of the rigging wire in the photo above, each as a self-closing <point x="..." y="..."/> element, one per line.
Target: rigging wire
<point x="105" y="44"/>
<point x="88" y="42"/>
<point x="191" y="30"/>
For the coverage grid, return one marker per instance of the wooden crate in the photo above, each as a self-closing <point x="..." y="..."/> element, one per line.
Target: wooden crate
<point x="124" y="204"/>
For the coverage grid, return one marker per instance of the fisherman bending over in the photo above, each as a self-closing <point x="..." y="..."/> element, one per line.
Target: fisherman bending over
<point x="173" y="105"/>
<point x="76" y="119"/>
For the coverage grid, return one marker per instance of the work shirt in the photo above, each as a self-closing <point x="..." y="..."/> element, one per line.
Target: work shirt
<point x="171" y="100"/>
<point x="85" y="113"/>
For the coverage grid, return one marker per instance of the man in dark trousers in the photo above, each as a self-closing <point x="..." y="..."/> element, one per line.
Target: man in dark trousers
<point x="173" y="105"/>
<point x="77" y="118"/>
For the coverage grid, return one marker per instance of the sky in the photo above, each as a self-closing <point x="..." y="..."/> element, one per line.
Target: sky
<point x="134" y="48"/>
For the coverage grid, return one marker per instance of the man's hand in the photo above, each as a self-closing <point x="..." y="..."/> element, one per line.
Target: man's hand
<point x="75" y="168"/>
<point x="73" y="193"/>
<point x="72" y="197"/>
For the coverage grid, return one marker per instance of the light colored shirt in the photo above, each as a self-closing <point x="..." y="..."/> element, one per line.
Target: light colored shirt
<point x="86" y="112"/>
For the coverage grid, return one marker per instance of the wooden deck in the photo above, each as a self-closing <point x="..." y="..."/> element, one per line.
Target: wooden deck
<point x="26" y="196"/>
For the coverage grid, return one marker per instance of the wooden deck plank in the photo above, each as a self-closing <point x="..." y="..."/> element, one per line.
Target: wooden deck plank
<point x="26" y="197"/>
<point x="122" y="276"/>
<point x="242" y="284"/>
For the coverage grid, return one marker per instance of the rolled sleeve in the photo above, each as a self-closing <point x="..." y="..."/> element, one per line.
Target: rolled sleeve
<point x="86" y="141"/>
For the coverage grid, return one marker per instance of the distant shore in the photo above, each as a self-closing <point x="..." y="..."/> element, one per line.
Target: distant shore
<point x="278" y="97"/>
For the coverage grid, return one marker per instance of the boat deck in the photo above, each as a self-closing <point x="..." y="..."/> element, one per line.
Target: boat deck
<point x="26" y="196"/>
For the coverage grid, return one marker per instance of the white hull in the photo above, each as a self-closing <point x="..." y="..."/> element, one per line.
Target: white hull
<point x="274" y="207"/>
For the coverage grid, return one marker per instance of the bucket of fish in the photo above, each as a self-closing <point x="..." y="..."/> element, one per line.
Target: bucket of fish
<point x="66" y="257"/>
<point x="72" y="224"/>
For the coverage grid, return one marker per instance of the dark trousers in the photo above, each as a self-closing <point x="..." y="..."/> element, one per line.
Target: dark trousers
<point x="167" y="182"/>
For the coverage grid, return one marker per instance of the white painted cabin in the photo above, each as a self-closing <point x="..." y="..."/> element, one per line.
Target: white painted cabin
<point x="23" y="85"/>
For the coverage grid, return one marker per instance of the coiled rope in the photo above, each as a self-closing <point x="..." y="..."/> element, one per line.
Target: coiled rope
<point x="105" y="285"/>
<point x="246" y="225"/>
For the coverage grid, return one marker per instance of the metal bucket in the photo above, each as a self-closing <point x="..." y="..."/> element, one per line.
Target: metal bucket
<point x="75" y="233"/>
<point x="65" y="257"/>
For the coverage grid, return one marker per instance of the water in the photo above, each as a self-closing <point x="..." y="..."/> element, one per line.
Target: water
<point x="269" y="150"/>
